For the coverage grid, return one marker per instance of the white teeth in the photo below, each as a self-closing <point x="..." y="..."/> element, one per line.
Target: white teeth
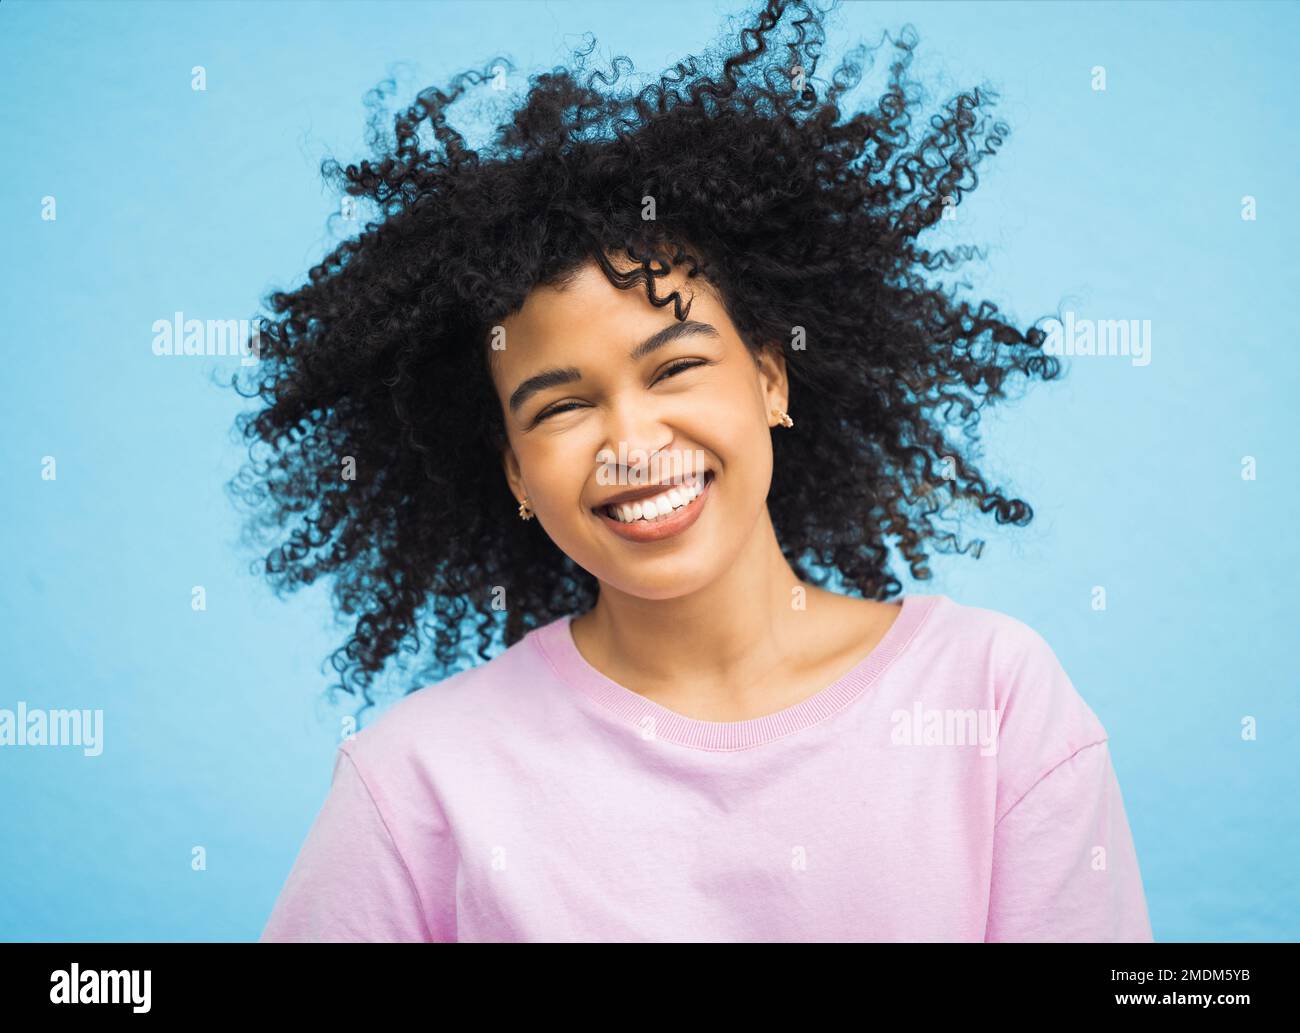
<point x="659" y="505"/>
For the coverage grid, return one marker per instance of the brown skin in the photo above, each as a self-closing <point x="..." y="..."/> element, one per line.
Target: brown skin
<point x="704" y="623"/>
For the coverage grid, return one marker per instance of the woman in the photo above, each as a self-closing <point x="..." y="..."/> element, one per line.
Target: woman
<point x="685" y="737"/>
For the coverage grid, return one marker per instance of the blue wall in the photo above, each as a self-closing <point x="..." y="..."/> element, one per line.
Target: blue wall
<point x="1115" y="204"/>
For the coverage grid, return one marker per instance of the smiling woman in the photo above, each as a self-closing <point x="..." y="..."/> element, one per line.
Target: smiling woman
<point x="684" y="736"/>
<point x="601" y="371"/>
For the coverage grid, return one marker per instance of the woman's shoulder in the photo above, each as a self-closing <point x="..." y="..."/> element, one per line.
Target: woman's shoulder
<point x="442" y="717"/>
<point x="1007" y="638"/>
<point x="1043" y="718"/>
<point x="1009" y="650"/>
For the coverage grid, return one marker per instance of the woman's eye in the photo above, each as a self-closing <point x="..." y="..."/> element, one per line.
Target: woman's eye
<point x="562" y="407"/>
<point x="671" y="371"/>
<point x="676" y="368"/>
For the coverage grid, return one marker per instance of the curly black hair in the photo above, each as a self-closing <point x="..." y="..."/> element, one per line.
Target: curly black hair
<point x="375" y="452"/>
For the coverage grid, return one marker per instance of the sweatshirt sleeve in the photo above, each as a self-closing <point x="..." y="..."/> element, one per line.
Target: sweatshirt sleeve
<point x="1064" y="864"/>
<point x="349" y="881"/>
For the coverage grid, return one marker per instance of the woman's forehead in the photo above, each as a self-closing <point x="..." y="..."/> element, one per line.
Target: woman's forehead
<point x="588" y="315"/>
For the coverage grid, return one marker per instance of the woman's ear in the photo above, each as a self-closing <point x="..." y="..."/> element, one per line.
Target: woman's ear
<point x="773" y="378"/>
<point x="513" y="475"/>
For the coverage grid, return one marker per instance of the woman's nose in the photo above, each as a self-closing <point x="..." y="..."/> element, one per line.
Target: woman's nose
<point x="633" y="438"/>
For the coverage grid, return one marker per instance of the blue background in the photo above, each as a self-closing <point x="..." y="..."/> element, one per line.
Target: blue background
<point x="1117" y="204"/>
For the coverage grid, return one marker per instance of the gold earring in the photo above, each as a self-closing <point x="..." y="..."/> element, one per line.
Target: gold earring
<point x="783" y="417"/>
<point x="525" y="513"/>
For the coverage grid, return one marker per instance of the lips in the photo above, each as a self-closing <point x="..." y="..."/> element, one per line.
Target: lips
<point x="648" y="491"/>
<point x="668" y="526"/>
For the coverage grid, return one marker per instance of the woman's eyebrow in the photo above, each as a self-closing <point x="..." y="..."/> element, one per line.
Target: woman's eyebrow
<point x="671" y="332"/>
<point x="568" y="374"/>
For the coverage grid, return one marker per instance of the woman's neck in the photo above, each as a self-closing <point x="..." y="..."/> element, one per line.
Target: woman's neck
<point x="735" y="645"/>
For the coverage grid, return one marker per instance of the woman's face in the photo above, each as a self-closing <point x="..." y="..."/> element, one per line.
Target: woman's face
<point x="588" y="419"/>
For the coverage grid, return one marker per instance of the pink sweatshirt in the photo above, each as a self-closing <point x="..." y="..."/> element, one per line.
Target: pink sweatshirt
<point x="953" y="786"/>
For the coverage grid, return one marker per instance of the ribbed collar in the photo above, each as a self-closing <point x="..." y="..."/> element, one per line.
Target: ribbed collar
<point x="556" y="645"/>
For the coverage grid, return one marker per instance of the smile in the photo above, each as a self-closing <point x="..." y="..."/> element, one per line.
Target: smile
<point x="660" y="516"/>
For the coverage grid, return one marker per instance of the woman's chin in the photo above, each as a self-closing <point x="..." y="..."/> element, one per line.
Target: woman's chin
<point x="658" y="580"/>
